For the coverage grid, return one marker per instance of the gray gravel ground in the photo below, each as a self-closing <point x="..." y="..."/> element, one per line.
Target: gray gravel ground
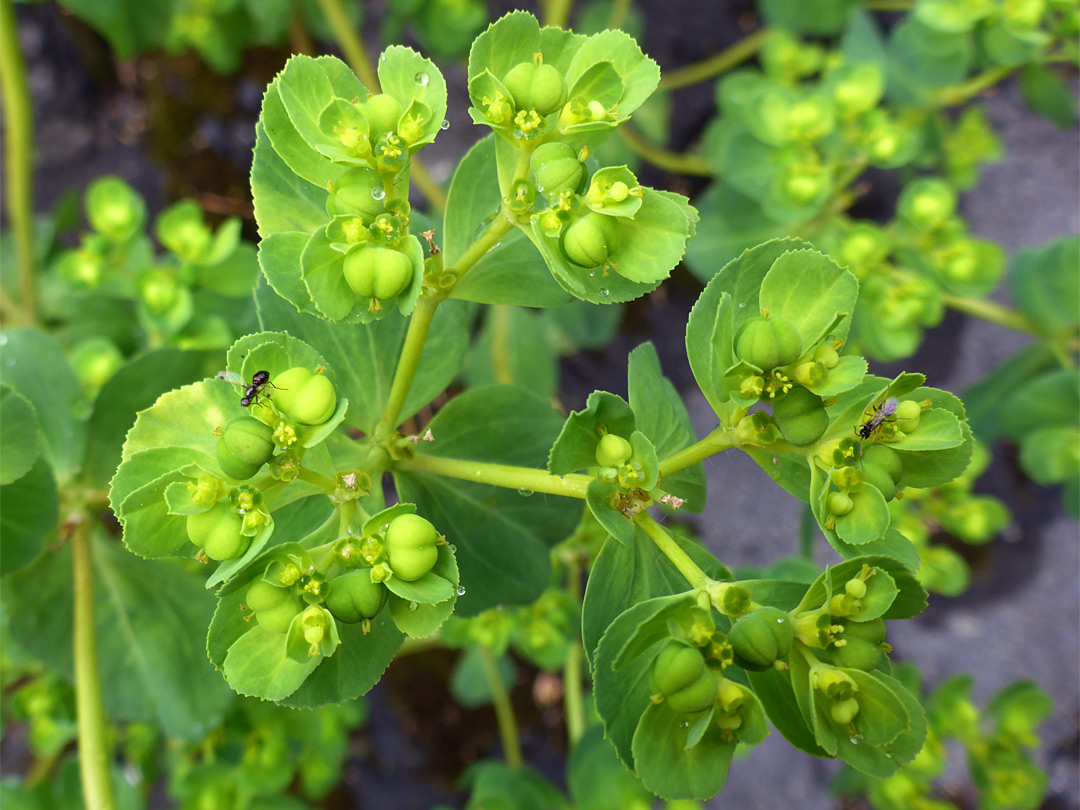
<point x="1019" y="621"/>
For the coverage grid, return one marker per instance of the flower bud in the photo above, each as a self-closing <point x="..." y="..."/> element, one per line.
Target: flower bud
<point x="801" y="416"/>
<point x="274" y="607"/>
<point x="114" y="208"/>
<point x="218" y="532"/>
<point x="927" y="203"/>
<point x="411" y="547"/>
<point x="588" y="242"/>
<point x="244" y="447"/>
<point x="680" y="676"/>
<point x="612" y="450"/>
<point x="537" y="87"/>
<point x="768" y="342"/>
<point x="353" y="596"/>
<point x="556" y="168"/>
<point x="303" y="397"/>
<point x="759" y="638"/>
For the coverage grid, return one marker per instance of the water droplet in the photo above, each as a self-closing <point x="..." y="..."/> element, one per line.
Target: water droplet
<point x="592" y="275"/>
<point x="385" y="526"/>
<point x="452" y="548"/>
<point x="445" y="125"/>
<point x="460" y="591"/>
<point x="604" y="292"/>
<point x="421" y="79"/>
<point x="855" y="739"/>
<point x="775" y="459"/>
<point x="377" y="192"/>
<point x="685" y="724"/>
<point x="3" y="340"/>
<point x="524" y="493"/>
<point x="741" y="306"/>
<point x="413" y="607"/>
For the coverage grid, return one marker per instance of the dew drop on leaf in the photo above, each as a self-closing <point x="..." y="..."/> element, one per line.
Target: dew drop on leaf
<point x="421" y="79"/>
<point x="460" y="591"/>
<point x="445" y="125"/>
<point x="604" y="293"/>
<point x="413" y="606"/>
<point x="452" y="548"/>
<point x="524" y="493"/>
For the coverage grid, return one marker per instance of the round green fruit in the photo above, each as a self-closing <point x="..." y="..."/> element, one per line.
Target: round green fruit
<point x="612" y="450"/>
<point x="217" y="532"/>
<point x="377" y="272"/>
<point x="588" y="242"/>
<point x="383" y="113"/>
<point x="303" y="397"/>
<point x="801" y="416"/>
<point x="353" y="596"/>
<point x="759" y="638"/>
<point x="274" y="607"/>
<point x="95" y="360"/>
<point x="411" y="547"/>
<point x="768" y="343"/>
<point x="244" y="447"/>
<point x="907" y="415"/>
<point x="536" y="87"/>
<point x="556" y="169"/>
<point x="681" y="676"/>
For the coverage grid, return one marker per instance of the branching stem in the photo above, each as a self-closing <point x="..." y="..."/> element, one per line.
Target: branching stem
<point x="662" y="158"/>
<point x="525" y="479"/>
<point x="716" y="64"/>
<point x="673" y="551"/>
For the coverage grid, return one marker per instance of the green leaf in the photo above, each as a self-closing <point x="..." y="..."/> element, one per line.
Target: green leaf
<point x="287" y="199"/>
<point x="30" y="514"/>
<point x="731" y="223"/>
<point x="938" y="429"/>
<point x="18" y="436"/>
<point x="131" y="389"/>
<point x="575" y="448"/>
<point x="497" y="785"/>
<point x="1047" y="94"/>
<point x="513" y="272"/>
<point x="931" y="468"/>
<point x="597" y="780"/>
<point x="364" y="357"/>
<point x="910" y="599"/>
<point x="514" y="347"/>
<point x="258" y="665"/>
<point x="624" y="576"/>
<point x="511" y="39"/>
<point x="137" y="605"/>
<point x="599" y="496"/>
<point x="868" y="519"/>
<point x="640" y="75"/>
<point x="921" y="60"/>
<point x="502" y="536"/>
<point x="812" y="292"/>
<point x="1045" y="284"/>
<point x="36" y="368"/>
<point x="667" y="768"/>
<point x="409" y="77"/>
<point x="773" y="688"/>
<point x="1048" y="455"/>
<point x="307" y="85"/>
<point x="660" y="414"/>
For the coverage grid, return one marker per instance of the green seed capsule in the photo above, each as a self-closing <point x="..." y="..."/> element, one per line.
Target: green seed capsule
<point x="801" y="416"/>
<point x="244" y="447"/>
<point x="681" y="676"/>
<point x="274" y="607"/>
<point x="305" y="398"/>
<point x="840" y="504"/>
<point x="588" y="242"/>
<point x="411" y="547"/>
<point x="907" y="415"/>
<point x="612" y="450"/>
<point x="536" y="87"/>
<point x="556" y="169"/>
<point x="353" y="596"/>
<point x="217" y="532"/>
<point x="844" y="711"/>
<point x="377" y="272"/>
<point x="759" y="638"/>
<point x="768" y="343"/>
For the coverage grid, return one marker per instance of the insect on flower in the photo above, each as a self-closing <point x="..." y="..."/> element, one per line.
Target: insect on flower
<point x="252" y="390"/>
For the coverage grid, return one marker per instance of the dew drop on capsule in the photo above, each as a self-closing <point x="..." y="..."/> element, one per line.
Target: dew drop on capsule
<point x="378" y="192"/>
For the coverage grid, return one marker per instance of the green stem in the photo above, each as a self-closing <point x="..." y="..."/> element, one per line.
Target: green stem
<point x="318" y="479"/>
<point x="504" y="712"/>
<point x="351" y="43"/>
<point x="719" y="439"/>
<point x="716" y="64"/>
<point x="888" y="5"/>
<point x="502" y="225"/>
<point x="93" y="744"/>
<point x="573" y="703"/>
<point x="525" y="479"/>
<point x="18" y="153"/>
<point x="990" y="311"/>
<point x="558" y="13"/>
<point x="663" y="158"/>
<point x="959" y="93"/>
<point x="419" y="324"/>
<point x="673" y="551"/>
<point x="500" y="342"/>
<point x="619" y="10"/>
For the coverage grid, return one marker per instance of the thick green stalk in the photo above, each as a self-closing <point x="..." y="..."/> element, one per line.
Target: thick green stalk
<point x="716" y="64"/>
<point x="558" y="13"/>
<point x="504" y="711"/>
<point x="18" y="153"/>
<point x="673" y="551"/>
<point x="525" y="479"/>
<point x="991" y="312"/>
<point x="619" y="10"/>
<point x="719" y="439"/>
<point x="959" y="93"/>
<point x="93" y="729"/>
<point x="573" y="703"/>
<point x="419" y="324"/>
